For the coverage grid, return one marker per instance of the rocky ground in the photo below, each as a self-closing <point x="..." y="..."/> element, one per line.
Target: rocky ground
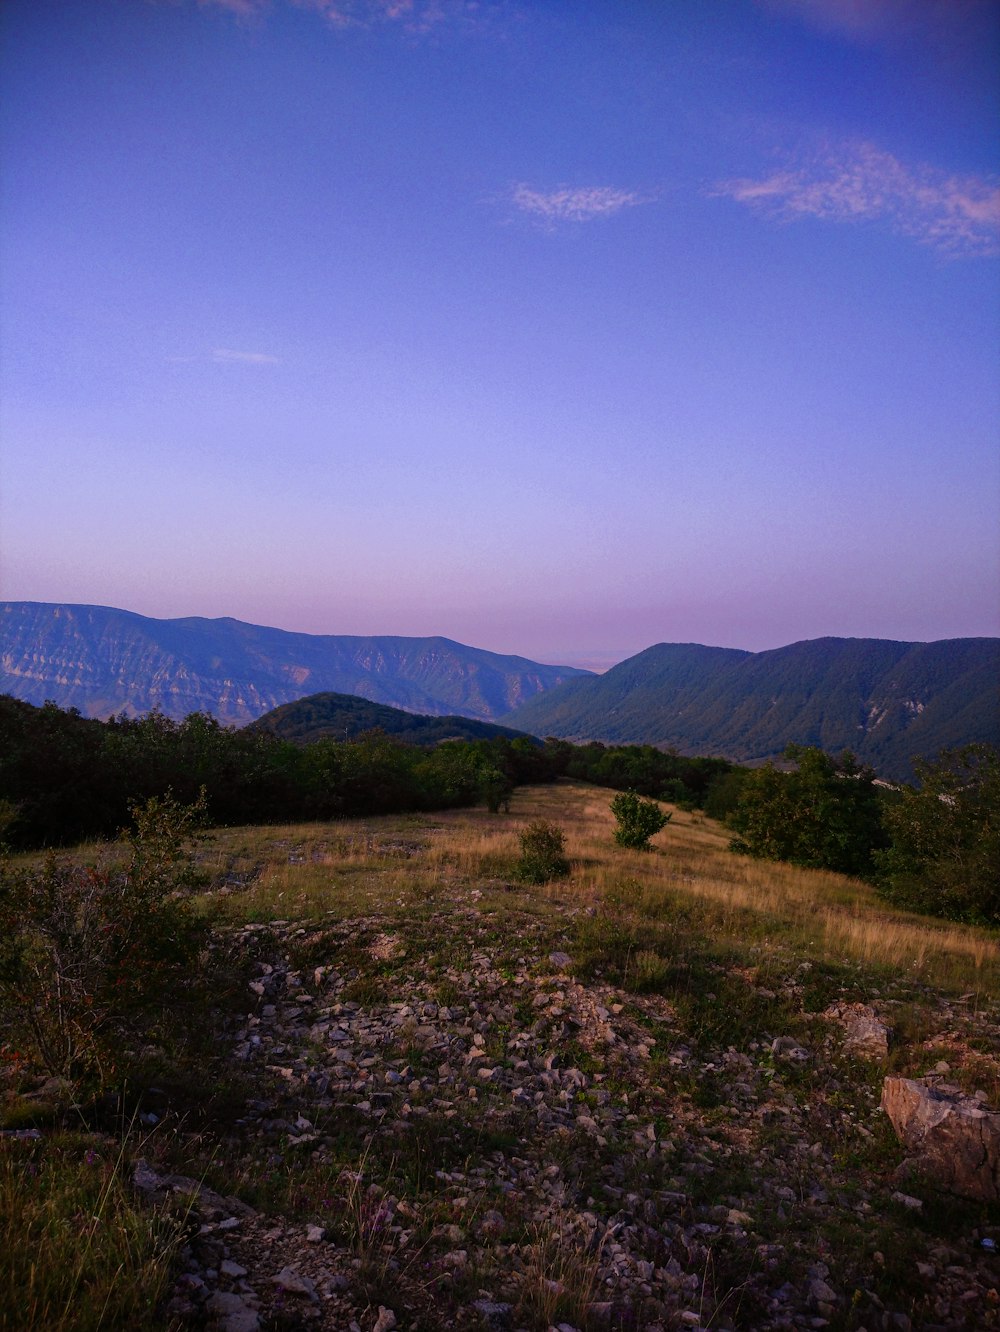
<point x="458" y="1121"/>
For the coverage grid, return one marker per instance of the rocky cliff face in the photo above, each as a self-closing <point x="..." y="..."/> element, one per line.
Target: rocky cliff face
<point x="104" y="661"/>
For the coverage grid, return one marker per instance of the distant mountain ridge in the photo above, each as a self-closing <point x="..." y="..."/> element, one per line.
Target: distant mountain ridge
<point x="887" y="701"/>
<point x="105" y="661"/>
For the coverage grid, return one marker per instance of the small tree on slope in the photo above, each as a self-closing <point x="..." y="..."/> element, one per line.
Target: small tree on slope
<point x="638" y="820"/>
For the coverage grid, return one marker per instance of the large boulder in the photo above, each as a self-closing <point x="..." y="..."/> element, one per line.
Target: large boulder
<point x="953" y="1139"/>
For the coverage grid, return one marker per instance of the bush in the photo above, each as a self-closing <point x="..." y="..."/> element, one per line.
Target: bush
<point x="944" y="852"/>
<point x="638" y="820"/>
<point x="543" y="853"/>
<point x="92" y="958"/>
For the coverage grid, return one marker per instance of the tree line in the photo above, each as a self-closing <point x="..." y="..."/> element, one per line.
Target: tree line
<point x="65" y="778"/>
<point x="933" y="848"/>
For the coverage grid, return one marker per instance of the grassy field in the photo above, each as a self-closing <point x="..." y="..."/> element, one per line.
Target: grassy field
<point x="627" y="1015"/>
<point x="395" y="864"/>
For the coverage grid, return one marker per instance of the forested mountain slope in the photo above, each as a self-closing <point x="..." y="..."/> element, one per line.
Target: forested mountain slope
<point x="345" y="716"/>
<point x="885" y="700"/>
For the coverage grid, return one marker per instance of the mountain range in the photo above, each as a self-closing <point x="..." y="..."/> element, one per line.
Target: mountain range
<point x="105" y="661"/>
<point x="886" y="701"/>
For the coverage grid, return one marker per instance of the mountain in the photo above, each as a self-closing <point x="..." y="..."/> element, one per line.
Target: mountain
<point x="884" y="700"/>
<point x="344" y="716"/>
<point x="105" y="661"/>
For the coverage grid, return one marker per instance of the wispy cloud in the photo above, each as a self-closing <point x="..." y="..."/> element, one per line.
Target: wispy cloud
<point x="413" y="15"/>
<point x="858" y="182"/>
<point x="244" y="9"/>
<point x="574" y="205"/>
<point x="226" y="356"/>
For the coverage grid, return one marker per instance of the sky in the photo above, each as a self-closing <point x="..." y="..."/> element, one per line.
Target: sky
<point x="557" y="327"/>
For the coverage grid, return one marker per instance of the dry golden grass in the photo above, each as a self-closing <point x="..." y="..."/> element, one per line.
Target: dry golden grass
<point x="400" y="863"/>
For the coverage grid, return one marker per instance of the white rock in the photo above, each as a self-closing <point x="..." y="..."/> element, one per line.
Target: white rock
<point x="294" y="1282"/>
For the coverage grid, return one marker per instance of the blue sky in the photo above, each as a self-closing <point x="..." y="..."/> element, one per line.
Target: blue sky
<point x="556" y="328"/>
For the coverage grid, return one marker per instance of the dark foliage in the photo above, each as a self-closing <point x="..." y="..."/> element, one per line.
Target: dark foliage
<point x="543" y="853"/>
<point x="637" y="820"/>
<point x="65" y="778"/>
<point x="825" y="814"/>
<point x="944" y="854"/>
<point x="346" y="716"/>
<point x="652" y="772"/>
<point x="95" y="959"/>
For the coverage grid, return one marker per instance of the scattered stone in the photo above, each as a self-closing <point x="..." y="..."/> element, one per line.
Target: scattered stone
<point x="786" y="1047"/>
<point x="905" y="1200"/>
<point x="494" y="1312"/>
<point x="865" y="1034"/>
<point x="645" y="1180"/>
<point x="231" y="1313"/>
<point x="294" y="1283"/>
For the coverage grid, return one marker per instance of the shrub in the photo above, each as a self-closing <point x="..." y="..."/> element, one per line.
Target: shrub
<point x="638" y="820"/>
<point x="92" y="957"/>
<point x="944" y="852"/>
<point x="543" y="853"/>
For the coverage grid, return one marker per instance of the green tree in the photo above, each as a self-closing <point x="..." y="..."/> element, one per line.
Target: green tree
<point x="638" y="820"/>
<point x="495" y="788"/>
<point x="723" y="793"/>
<point x="825" y="814"/>
<point x="943" y="856"/>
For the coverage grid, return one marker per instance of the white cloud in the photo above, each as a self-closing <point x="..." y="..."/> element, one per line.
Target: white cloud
<point x="858" y="182"/>
<point x="574" y="205"/>
<point x="226" y="356"/>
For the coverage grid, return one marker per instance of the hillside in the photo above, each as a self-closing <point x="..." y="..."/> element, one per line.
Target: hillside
<point x="105" y="661"/>
<point x="887" y="701"/>
<point x="646" y="1095"/>
<point x="345" y="716"/>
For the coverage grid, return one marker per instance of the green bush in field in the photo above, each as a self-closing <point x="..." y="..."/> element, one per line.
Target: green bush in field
<point x="638" y="820"/>
<point x="93" y="958"/>
<point x="543" y="853"/>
